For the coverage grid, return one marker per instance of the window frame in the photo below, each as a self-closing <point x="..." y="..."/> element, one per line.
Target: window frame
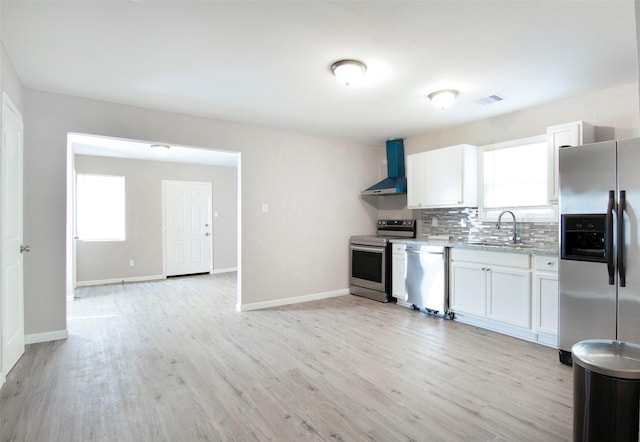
<point x="541" y="213"/>
<point x="124" y="209"/>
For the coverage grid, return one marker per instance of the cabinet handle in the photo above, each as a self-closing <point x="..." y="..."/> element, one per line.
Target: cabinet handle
<point x="550" y="263"/>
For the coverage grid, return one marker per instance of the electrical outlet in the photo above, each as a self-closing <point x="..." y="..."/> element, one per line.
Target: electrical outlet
<point x="265" y="207"/>
<point x="131" y="263"/>
<point x="434" y="221"/>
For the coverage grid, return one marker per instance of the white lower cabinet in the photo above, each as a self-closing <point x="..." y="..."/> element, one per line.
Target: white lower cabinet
<point x="509" y="295"/>
<point x="398" y="273"/>
<point x="467" y="287"/>
<point x="545" y="299"/>
<point x="504" y="292"/>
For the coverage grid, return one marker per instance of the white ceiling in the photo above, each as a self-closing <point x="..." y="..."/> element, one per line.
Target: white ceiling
<point x="84" y="144"/>
<point x="266" y="63"/>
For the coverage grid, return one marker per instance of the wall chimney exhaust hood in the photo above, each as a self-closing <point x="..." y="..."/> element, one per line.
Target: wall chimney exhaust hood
<point x="396" y="181"/>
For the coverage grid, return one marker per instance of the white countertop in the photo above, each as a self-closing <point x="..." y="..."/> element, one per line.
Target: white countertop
<point x="528" y="248"/>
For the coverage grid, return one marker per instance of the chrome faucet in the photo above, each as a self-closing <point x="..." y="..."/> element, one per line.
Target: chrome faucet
<point x="515" y="237"/>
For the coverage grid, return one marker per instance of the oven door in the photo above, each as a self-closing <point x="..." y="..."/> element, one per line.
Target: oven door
<point x="368" y="267"/>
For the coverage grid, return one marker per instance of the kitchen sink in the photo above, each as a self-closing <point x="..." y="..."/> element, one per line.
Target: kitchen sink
<point x="489" y="243"/>
<point x="500" y="244"/>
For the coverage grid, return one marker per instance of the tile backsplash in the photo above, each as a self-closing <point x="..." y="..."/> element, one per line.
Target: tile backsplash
<point x="463" y="225"/>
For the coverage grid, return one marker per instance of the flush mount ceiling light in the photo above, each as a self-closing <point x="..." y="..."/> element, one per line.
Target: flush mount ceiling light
<point x="160" y="148"/>
<point x="348" y="71"/>
<point x="443" y="99"/>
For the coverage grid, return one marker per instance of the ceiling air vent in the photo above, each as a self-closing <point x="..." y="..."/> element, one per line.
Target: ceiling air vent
<point x="489" y="99"/>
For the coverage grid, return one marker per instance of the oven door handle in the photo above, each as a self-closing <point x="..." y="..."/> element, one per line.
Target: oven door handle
<point x="372" y="249"/>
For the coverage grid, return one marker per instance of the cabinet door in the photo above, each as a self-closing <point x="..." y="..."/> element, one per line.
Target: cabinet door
<point x="415" y="184"/>
<point x="399" y="270"/>
<point x="509" y="296"/>
<point x="468" y="288"/>
<point x="569" y="134"/>
<point x="443" y="178"/>
<point x="545" y="303"/>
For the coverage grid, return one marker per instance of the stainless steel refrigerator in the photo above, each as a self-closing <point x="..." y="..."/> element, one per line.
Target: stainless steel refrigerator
<point x="599" y="271"/>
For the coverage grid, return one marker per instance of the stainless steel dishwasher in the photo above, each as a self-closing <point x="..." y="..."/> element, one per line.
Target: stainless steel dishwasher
<point x="427" y="279"/>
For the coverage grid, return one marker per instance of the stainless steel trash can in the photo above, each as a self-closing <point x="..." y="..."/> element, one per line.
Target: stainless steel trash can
<point x="606" y="390"/>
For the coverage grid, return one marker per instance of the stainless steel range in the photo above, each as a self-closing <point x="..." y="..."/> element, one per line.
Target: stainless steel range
<point x="371" y="258"/>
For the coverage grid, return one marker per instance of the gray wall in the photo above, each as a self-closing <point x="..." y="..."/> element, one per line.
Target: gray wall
<point x="299" y="247"/>
<point x="312" y="187"/>
<point x="614" y="111"/>
<point x="105" y="260"/>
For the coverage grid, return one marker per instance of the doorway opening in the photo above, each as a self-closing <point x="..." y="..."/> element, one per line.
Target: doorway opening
<point x="141" y="255"/>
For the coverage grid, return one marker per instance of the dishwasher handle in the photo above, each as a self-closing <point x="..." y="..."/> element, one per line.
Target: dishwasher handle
<point x="431" y="250"/>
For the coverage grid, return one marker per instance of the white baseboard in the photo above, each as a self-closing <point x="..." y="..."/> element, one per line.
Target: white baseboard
<point x="229" y="270"/>
<point x="505" y="329"/>
<point x="119" y="280"/>
<point x="293" y="300"/>
<point x="56" y="335"/>
<point x="548" y="339"/>
<point x="3" y="379"/>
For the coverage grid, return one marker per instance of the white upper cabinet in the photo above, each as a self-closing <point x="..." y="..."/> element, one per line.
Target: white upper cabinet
<point x="445" y="177"/>
<point x="415" y="172"/>
<point x="568" y="134"/>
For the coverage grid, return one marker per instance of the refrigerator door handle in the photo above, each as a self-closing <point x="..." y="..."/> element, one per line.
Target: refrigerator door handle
<point x="620" y="241"/>
<point x="608" y="239"/>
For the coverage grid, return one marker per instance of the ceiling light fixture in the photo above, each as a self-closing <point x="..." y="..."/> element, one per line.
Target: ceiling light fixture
<point x="160" y="149"/>
<point x="443" y="99"/>
<point x="348" y="71"/>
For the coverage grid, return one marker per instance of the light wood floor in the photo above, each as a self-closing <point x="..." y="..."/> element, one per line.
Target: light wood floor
<point x="173" y="361"/>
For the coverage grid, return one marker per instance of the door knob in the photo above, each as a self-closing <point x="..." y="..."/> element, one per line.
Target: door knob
<point x="207" y="234"/>
<point x="24" y="249"/>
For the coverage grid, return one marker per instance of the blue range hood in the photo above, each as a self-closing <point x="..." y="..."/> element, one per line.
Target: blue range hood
<point x="396" y="181"/>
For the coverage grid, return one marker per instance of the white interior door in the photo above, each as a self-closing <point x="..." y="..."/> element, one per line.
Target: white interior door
<point x="187" y="216"/>
<point x="11" y="271"/>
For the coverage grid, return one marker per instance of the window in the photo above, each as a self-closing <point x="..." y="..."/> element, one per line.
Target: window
<point x="513" y="176"/>
<point x="100" y="208"/>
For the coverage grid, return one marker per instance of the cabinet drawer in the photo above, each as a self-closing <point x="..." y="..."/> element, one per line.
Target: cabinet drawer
<point x="521" y="260"/>
<point x="398" y="248"/>
<point x="545" y="263"/>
